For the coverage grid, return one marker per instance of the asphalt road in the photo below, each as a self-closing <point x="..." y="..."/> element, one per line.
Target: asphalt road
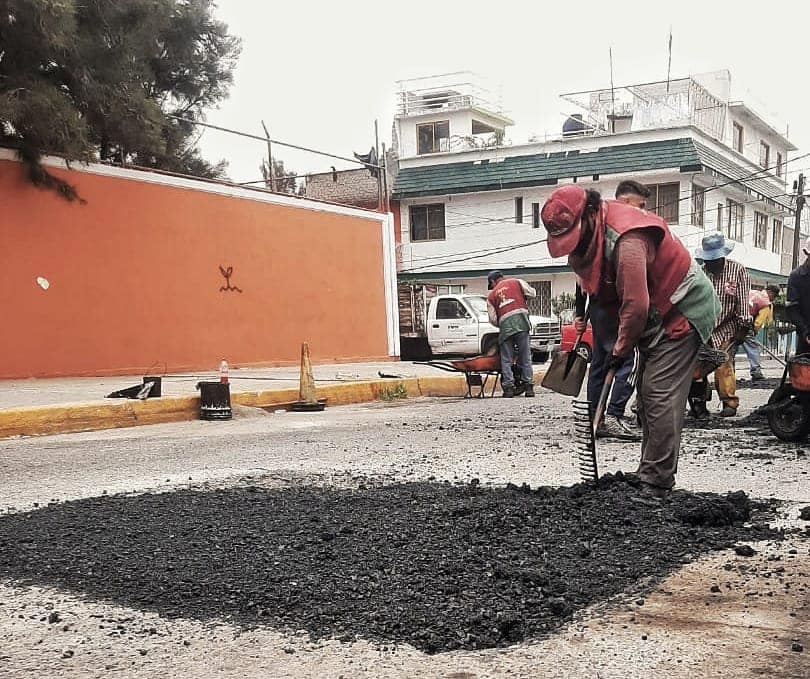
<point x="494" y="440"/>
<point x="683" y="627"/>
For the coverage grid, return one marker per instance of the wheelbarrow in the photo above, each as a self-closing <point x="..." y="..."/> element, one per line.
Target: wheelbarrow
<point x="788" y="409"/>
<point x="477" y="371"/>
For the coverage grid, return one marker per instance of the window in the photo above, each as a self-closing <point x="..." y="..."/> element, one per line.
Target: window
<point x="519" y="210"/>
<point x="719" y="225"/>
<point x="664" y="201"/>
<point x="541" y="304"/>
<point x="734" y="220"/>
<point x="778" y="164"/>
<point x="764" y="154"/>
<point x="427" y="222"/>
<point x="477" y="302"/>
<point x="698" y="205"/>
<point x="776" y="239"/>
<point x="760" y="230"/>
<point x="535" y="215"/>
<point x="450" y="290"/>
<point x="433" y="137"/>
<point x="738" y="138"/>
<point x="450" y="309"/>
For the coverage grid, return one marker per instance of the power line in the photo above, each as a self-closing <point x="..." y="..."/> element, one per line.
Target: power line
<point x="738" y="181"/>
<point x="491" y="252"/>
<point x="483" y="252"/>
<point x="478" y="254"/>
<point x="687" y="197"/>
<point x="264" y="140"/>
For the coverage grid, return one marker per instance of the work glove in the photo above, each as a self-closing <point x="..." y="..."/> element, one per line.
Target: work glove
<point x="615" y="362"/>
<point x="743" y="330"/>
<point x="580" y="324"/>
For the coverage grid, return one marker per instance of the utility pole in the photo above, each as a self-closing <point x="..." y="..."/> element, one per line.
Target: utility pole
<point x="797" y="229"/>
<point x="379" y="172"/>
<point x="669" y="58"/>
<point x="612" y="94"/>
<point x="270" y="159"/>
<point x="384" y="171"/>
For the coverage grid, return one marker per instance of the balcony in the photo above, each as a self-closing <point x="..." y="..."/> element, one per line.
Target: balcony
<point x="631" y="108"/>
<point x="446" y="92"/>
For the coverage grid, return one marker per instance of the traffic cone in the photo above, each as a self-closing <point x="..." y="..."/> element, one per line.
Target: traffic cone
<point x="307" y="397"/>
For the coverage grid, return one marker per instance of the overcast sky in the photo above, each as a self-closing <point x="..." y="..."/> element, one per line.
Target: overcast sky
<point x="319" y="73"/>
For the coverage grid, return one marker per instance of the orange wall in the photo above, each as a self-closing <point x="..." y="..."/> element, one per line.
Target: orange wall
<point x="135" y="282"/>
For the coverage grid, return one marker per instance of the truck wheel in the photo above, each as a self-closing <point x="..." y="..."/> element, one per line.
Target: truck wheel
<point x="414" y="349"/>
<point x="539" y="356"/>
<point x="788" y="418"/>
<point x="489" y="346"/>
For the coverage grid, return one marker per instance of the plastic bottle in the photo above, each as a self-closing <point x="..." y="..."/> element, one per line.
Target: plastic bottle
<point x="223" y="371"/>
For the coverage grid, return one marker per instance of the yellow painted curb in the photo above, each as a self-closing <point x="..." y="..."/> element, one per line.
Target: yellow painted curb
<point x="75" y="417"/>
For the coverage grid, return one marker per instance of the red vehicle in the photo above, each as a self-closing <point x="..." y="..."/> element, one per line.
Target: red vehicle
<point x="569" y="337"/>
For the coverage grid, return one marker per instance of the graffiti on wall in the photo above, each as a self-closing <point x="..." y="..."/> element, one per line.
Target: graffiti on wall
<point x="226" y="274"/>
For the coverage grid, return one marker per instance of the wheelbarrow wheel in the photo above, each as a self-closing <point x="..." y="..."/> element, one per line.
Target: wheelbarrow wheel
<point x="788" y="418"/>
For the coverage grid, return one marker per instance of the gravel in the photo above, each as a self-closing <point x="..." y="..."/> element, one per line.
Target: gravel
<point x="435" y="565"/>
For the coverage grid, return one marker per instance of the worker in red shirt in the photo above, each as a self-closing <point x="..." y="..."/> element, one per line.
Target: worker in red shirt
<point x="509" y="312"/>
<point x="628" y="259"/>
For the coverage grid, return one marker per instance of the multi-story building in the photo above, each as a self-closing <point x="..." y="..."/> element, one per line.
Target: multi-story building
<point x="469" y="201"/>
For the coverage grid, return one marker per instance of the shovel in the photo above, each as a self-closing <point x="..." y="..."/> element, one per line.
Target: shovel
<point x="567" y="369"/>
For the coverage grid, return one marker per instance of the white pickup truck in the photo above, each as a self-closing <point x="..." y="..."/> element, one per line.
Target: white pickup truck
<point x="458" y="324"/>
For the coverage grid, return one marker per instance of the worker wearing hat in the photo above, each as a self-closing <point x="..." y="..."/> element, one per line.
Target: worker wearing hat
<point x="509" y="312"/>
<point x="630" y="263"/>
<point x="798" y="301"/>
<point x="732" y="285"/>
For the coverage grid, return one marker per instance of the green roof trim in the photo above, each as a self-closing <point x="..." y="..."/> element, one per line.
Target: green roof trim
<point x="732" y="171"/>
<point x="768" y="276"/>
<point x="544" y="169"/>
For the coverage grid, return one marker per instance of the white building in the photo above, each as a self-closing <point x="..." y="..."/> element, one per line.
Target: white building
<point x="469" y="202"/>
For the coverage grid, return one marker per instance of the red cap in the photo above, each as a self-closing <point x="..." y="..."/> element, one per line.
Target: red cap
<point x="562" y="217"/>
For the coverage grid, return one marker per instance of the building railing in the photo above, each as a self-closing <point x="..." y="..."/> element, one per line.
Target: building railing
<point x="650" y="106"/>
<point x="445" y="92"/>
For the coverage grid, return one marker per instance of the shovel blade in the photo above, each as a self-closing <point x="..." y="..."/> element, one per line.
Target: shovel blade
<point x="562" y="379"/>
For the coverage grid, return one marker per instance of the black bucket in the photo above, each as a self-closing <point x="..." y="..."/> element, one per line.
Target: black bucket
<point x="155" y="390"/>
<point x="215" y="401"/>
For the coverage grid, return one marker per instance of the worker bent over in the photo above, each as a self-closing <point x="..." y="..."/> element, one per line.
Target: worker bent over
<point x="508" y="311"/>
<point x="629" y="260"/>
<point x="732" y="286"/>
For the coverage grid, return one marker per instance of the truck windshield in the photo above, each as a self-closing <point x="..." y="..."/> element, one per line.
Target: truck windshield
<point x="478" y="304"/>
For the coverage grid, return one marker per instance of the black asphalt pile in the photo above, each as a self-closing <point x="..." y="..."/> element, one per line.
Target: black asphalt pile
<point x="768" y="384"/>
<point x="435" y="565"/>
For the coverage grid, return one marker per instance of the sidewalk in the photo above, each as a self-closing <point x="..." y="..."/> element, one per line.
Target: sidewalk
<point x="33" y="407"/>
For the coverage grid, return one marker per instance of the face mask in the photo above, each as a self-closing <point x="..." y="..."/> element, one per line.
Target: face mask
<point x="715" y="266"/>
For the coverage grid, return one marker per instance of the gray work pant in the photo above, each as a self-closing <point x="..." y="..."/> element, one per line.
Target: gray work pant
<point x="516" y="345"/>
<point x="666" y="376"/>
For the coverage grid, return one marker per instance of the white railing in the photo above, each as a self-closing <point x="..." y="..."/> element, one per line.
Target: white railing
<point x="445" y="92"/>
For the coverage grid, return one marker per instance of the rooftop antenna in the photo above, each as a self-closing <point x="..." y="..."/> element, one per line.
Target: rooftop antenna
<point x="669" y="59"/>
<point x="612" y="94"/>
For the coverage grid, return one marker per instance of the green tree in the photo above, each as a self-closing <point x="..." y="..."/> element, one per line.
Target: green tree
<point x="102" y="80"/>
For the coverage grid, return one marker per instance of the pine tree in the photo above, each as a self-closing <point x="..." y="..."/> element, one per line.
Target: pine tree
<point x="101" y="80"/>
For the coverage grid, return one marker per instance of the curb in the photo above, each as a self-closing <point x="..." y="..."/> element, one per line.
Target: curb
<point x="76" y="417"/>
